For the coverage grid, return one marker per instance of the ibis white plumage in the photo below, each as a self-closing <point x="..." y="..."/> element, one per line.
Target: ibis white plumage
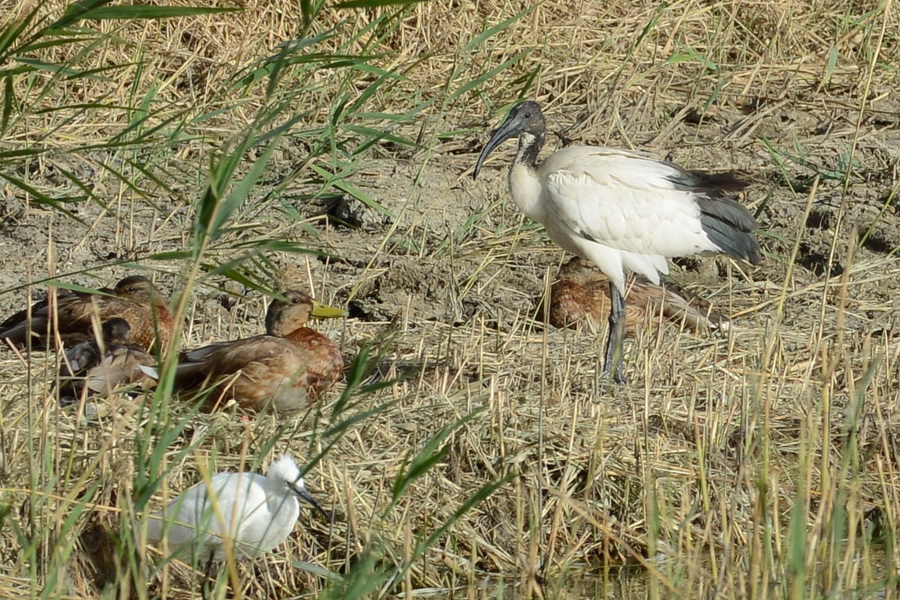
<point x="253" y="513"/>
<point x="621" y="210"/>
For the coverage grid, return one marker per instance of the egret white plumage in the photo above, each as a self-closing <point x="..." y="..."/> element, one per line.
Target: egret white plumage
<point x="623" y="211"/>
<point x="251" y="512"/>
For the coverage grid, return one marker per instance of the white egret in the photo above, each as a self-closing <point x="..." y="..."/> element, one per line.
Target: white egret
<point x="621" y="210"/>
<point x="250" y="512"/>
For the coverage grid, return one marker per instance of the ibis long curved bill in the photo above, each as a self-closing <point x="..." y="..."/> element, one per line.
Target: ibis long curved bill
<point x="621" y="210"/>
<point x="510" y="128"/>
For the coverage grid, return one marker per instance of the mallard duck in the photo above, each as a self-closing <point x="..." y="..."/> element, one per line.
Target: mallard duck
<point x="134" y="299"/>
<point x="289" y="367"/>
<point x="102" y="367"/>
<point x="581" y="294"/>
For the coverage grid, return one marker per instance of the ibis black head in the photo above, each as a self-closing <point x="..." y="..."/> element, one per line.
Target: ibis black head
<point x="525" y="117"/>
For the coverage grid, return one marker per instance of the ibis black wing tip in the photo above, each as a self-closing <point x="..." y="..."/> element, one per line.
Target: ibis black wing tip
<point x="745" y="247"/>
<point x="727" y="181"/>
<point x="705" y="184"/>
<point x="754" y="256"/>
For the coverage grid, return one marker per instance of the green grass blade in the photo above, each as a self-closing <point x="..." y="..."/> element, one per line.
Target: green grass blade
<point x="139" y="12"/>
<point x="431" y="453"/>
<point x="9" y="98"/>
<point x="490" y="32"/>
<point x="374" y="3"/>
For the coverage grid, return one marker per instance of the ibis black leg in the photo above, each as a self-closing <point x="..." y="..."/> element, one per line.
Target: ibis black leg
<point x="614" y="349"/>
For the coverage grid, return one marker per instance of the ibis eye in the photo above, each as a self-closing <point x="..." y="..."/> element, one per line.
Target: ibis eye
<point x="528" y="115"/>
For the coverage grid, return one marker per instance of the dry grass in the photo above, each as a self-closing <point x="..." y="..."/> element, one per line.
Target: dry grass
<point x="755" y="465"/>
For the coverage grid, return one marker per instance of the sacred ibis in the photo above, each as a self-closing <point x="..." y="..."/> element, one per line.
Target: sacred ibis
<point x="622" y="210"/>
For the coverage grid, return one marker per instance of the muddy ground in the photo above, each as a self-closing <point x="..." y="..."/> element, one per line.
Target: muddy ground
<point x="432" y="264"/>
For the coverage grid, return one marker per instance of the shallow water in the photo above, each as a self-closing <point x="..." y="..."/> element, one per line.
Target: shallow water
<point x="874" y="582"/>
<point x="617" y="583"/>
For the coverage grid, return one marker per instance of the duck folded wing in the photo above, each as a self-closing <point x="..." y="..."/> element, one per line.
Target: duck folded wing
<point x="79" y="358"/>
<point x="122" y="365"/>
<point x="229" y="357"/>
<point x="40" y="310"/>
<point x="678" y="305"/>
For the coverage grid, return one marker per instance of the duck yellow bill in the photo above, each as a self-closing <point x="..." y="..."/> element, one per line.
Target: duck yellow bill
<point x="323" y="311"/>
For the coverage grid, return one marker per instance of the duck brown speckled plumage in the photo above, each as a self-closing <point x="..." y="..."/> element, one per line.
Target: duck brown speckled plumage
<point x="581" y="293"/>
<point x="102" y="367"/>
<point x="289" y="367"/>
<point x="134" y="299"/>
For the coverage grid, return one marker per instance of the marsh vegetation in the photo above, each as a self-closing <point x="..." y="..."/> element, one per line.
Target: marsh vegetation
<point x="230" y="151"/>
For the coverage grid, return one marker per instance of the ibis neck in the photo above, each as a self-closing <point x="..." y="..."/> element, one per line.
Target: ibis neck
<point x="529" y="148"/>
<point x="524" y="183"/>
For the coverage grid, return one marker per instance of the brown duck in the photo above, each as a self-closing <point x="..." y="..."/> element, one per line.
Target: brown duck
<point x="289" y="367"/>
<point x="103" y="367"/>
<point x="581" y="294"/>
<point x="134" y="299"/>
